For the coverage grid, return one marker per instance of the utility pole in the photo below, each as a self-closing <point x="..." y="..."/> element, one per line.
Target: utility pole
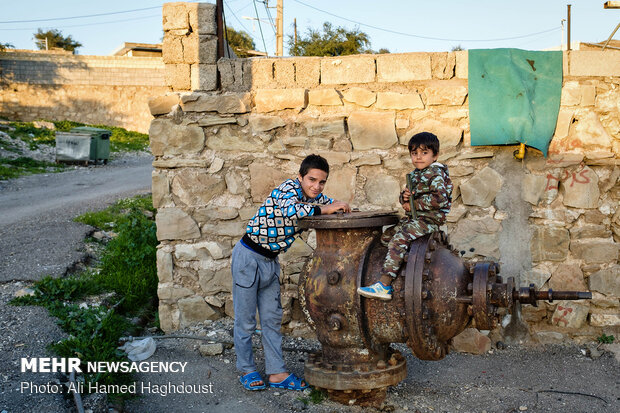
<point x="219" y="10"/>
<point x="295" y="28"/>
<point x="568" y="28"/>
<point x="280" y="28"/>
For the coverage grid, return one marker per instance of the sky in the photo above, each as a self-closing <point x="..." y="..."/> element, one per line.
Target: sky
<point x="398" y="25"/>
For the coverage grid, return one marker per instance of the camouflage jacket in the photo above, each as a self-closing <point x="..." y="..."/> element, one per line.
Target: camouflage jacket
<point x="432" y="192"/>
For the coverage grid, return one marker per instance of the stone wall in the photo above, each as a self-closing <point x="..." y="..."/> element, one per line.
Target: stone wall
<point x="221" y="147"/>
<point x="109" y="90"/>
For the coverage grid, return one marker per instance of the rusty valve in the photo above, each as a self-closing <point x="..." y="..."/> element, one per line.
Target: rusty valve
<point x="436" y="296"/>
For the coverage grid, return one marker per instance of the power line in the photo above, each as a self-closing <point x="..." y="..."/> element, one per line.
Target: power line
<point x="260" y="26"/>
<point x="88" y="24"/>
<point x="424" y="37"/>
<point x="80" y="17"/>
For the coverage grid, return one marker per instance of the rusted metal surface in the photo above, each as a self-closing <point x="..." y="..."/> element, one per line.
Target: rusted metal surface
<point x="436" y="295"/>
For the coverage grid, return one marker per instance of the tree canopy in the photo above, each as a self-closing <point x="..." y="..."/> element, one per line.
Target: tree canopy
<point x="239" y="41"/>
<point x="55" y="39"/>
<point x="330" y="42"/>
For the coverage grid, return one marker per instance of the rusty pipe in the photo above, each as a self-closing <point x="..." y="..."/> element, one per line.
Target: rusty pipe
<point x="437" y="295"/>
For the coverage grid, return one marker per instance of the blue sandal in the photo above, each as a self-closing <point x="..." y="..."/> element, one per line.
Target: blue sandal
<point x="292" y="382"/>
<point x="250" y="378"/>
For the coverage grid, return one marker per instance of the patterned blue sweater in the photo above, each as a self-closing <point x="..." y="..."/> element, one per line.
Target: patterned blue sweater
<point x="274" y="226"/>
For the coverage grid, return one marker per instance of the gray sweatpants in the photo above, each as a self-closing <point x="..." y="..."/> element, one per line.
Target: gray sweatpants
<point x="256" y="284"/>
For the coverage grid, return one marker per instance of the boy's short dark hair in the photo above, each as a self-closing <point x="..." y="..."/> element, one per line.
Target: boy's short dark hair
<point x="313" y="162"/>
<point x="425" y="139"/>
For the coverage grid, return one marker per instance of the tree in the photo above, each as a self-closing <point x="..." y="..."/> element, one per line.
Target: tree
<point x="329" y="42"/>
<point x="239" y="41"/>
<point x="4" y="46"/>
<point x="456" y="48"/>
<point x="55" y="39"/>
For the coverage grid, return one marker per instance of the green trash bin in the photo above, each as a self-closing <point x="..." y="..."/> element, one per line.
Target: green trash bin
<point x="99" y="143"/>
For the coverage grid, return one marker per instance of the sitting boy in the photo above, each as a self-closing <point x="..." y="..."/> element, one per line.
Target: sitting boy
<point x="432" y="198"/>
<point x="256" y="270"/>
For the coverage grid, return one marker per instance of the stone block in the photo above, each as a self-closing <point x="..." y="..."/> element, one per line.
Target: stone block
<point x="175" y="224"/>
<point x="284" y="72"/>
<point x="170" y="292"/>
<point x="565" y="119"/>
<point x="605" y="320"/>
<point x="335" y="158"/>
<point x="571" y="94"/>
<point x="449" y="136"/>
<point x="326" y="128"/>
<point x="567" y="277"/>
<point x="203" y="77"/>
<point x="166" y="317"/>
<point x="175" y="16"/>
<point x="233" y="103"/>
<point x="233" y="73"/>
<point x="462" y="64"/>
<point x="195" y="310"/>
<point x="227" y="140"/>
<point x="214" y="120"/>
<point x="580" y="189"/>
<point x="263" y="178"/>
<point x="594" y="63"/>
<point x="382" y="190"/>
<point x="360" y="96"/>
<point x="172" y="49"/>
<point x="202" y="18"/>
<point x="588" y="95"/>
<point x="372" y="130"/>
<point x="191" y="48"/>
<point x="233" y="229"/>
<point x="590" y="231"/>
<point x="595" y="251"/>
<point x="178" y="76"/>
<point x="180" y="163"/>
<point x="264" y="123"/>
<point x="160" y="188"/>
<point x="447" y="93"/>
<point x="482" y="189"/>
<point x="307" y="71"/>
<point x="167" y="138"/>
<point x="533" y="188"/>
<point x="549" y="337"/>
<point x="348" y="69"/>
<point x="299" y="249"/>
<point x="398" y="101"/>
<point x="296" y="141"/>
<point x="403" y="67"/>
<point x="570" y="314"/>
<point x="324" y="97"/>
<point x="262" y="73"/>
<point x="268" y="100"/>
<point x="477" y="237"/>
<point x="196" y="188"/>
<point x="213" y="282"/>
<point x="606" y="281"/>
<point x="164" y="266"/>
<point x="471" y="341"/>
<point x="366" y="159"/>
<point x="161" y="105"/>
<point x="341" y="183"/>
<point x="213" y="212"/>
<point x="549" y="244"/>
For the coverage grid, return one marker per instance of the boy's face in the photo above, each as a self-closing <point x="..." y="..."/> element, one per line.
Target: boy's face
<point x="313" y="182"/>
<point x="421" y="157"/>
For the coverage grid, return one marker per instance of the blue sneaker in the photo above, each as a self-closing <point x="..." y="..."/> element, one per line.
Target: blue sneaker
<point x="377" y="290"/>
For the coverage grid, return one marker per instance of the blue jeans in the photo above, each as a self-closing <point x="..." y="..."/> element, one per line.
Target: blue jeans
<point x="256" y="284"/>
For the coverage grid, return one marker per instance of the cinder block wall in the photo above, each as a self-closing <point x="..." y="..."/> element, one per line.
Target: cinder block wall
<point x="109" y="90"/>
<point x="220" y="149"/>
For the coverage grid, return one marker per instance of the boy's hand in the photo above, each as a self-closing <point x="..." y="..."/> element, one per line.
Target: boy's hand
<point x="406" y="194"/>
<point x="335" y="207"/>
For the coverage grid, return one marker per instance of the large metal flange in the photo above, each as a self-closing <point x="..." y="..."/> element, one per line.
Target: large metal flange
<point x="364" y="376"/>
<point x="483" y="311"/>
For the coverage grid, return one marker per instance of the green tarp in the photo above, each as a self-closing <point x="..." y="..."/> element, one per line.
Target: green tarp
<point x="514" y="96"/>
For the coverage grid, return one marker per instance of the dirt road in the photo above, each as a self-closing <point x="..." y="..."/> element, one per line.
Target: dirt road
<point x="37" y="234"/>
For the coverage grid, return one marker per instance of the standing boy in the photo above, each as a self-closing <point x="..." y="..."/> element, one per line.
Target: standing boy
<point x="432" y="198"/>
<point x="256" y="270"/>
